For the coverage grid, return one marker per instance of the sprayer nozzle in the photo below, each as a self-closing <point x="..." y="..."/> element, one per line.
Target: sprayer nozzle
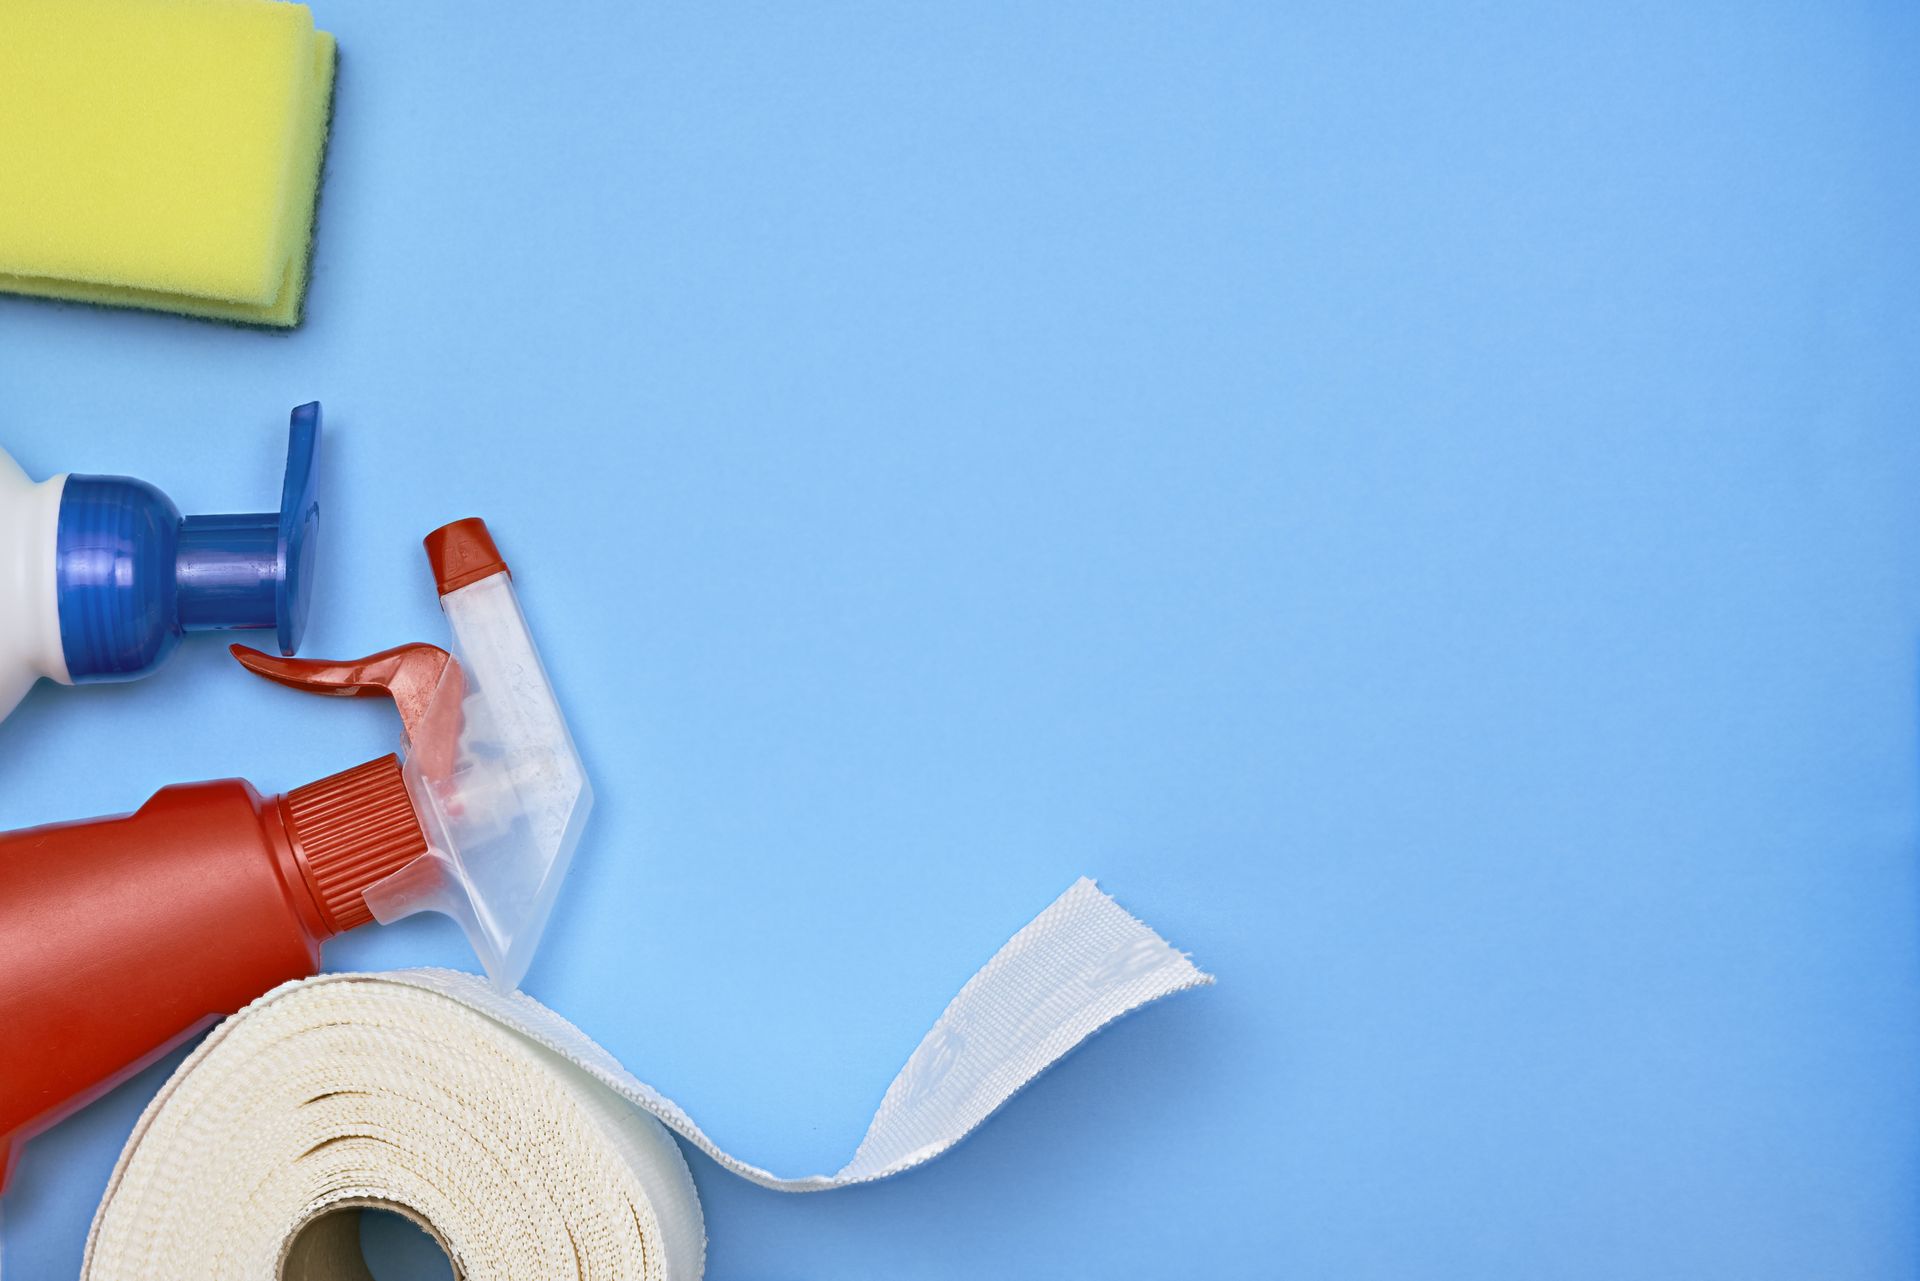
<point x="245" y="571"/>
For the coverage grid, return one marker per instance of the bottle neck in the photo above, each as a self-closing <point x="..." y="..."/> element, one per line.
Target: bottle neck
<point x="351" y="830"/>
<point x="227" y="572"/>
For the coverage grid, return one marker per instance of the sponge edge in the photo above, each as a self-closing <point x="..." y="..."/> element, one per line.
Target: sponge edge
<point x="176" y="147"/>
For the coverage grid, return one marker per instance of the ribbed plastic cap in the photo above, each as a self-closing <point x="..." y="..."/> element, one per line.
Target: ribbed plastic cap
<point x="351" y="830"/>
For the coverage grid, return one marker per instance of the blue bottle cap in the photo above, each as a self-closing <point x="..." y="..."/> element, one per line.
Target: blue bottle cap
<point x="133" y="575"/>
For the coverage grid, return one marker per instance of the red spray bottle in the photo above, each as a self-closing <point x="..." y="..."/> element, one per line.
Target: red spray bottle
<point x="121" y="937"/>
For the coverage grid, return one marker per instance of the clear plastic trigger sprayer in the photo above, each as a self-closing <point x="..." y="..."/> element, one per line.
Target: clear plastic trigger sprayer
<point x="495" y="784"/>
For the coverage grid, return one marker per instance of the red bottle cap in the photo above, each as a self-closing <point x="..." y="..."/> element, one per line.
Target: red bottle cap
<point x="354" y="829"/>
<point x="462" y="554"/>
<point x="351" y="830"/>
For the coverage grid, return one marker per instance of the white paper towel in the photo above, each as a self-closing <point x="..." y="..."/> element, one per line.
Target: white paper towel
<point x="519" y="1143"/>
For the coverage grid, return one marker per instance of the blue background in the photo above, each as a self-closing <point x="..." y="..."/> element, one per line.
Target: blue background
<point x="1421" y="504"/>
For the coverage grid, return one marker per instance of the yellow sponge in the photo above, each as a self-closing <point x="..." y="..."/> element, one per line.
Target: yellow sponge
<point x="162" y="153"/>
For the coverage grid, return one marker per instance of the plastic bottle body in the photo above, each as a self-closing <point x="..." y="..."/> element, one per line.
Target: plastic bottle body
<point x="29" y="599"/>
<point x="121" y="937"/>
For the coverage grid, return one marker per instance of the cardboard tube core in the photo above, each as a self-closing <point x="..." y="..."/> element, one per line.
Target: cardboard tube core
<point x="327" y="1246"/>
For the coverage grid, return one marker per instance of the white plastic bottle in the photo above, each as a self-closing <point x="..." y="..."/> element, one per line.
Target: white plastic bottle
<point x="100" y="576"/>
<point x="29" y="601"/>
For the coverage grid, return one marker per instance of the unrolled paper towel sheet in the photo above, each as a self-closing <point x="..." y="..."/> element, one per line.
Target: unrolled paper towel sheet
<point x="519" y="1143"/>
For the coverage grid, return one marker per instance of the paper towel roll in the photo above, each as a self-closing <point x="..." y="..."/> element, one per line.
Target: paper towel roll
<point x="522" y="1146"/>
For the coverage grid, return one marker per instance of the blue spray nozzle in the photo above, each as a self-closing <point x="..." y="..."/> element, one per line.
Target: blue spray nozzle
<point x="299" y="522"/>
<point x="253" y="570"/>
<point x="133" y="575"/>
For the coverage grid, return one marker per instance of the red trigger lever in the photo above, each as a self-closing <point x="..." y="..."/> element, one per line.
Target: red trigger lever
<point x="423" y="681"/>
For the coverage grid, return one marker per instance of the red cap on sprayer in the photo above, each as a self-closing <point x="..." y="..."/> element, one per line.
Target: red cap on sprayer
<point x="462" y="554"/>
